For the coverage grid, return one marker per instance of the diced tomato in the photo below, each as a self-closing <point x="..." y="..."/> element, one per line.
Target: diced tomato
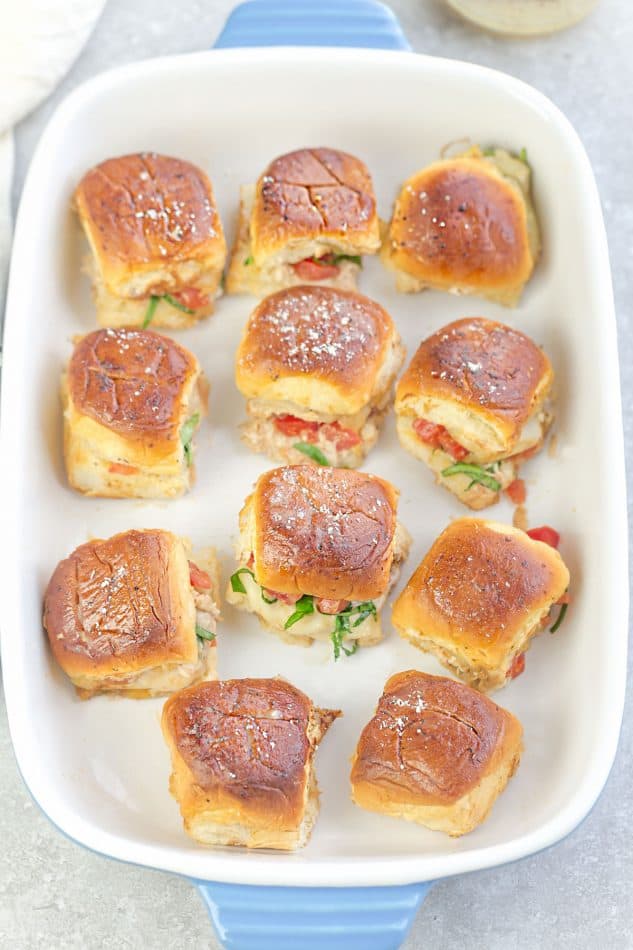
<point x="565" y="599"/>
<point x="251" y="561"/>
<point x="192" y="297"/>
<point x="517" y="492"/>
<point x="313" y="268"/>
<point x="426" y="431"/>
<point x="198" y="578"/>
<point x="119" y="468"/>
<point x="326" y="606"/>
<point x="341" y="437"/>
<point x="284" y="598"/>
<point x="294" y="426"/>
<point x="545" y="534"/>
<point x="438" y="436"/>
<point x="516" y="667"/>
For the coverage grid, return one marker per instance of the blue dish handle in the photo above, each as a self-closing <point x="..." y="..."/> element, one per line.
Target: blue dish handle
<point x="312" y="918"/>
<point x="361" y="23"/>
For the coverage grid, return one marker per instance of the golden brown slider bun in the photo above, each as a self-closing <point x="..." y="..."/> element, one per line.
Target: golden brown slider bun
<point x="465" y="225"/>
<point x="132" y="615"/>
<point x="154" y="229"/>
<point x="478" y="597"/>
<point x="132" y="401"/>
<point x="486" y="386"/>
<point x="327" y="538"/>
<point x="242" y="761"/>
<point x="307" y="204"/>
<point x="322" y="356"/>
<point x="436" y="752"/>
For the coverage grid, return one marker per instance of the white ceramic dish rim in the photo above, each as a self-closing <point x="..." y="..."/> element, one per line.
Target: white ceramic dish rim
<point x="235" y="867"/>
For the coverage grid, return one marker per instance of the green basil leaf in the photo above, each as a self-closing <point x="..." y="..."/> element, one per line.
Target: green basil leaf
<point x="312" y="452"/>
<point x="354" y="258"/>
<point x="268" y="600"/>
<point x="304" y="606"/>
<point x="341" y="629"/>
<point x="204" y="634"/>
<point x="149" y="313"/>
<point x="476" y="472"/>
<point x="186" y="435"/>
<point x="523" y="156"/>
<point x="560" y="618"/>
<point x="236" y="584"/>
<point x="177" y="304"/>
<point x="364" y="610"/>
<point x="188" y="429"/>
<point x="368" y="610"/>
<point x="248" y="261"/>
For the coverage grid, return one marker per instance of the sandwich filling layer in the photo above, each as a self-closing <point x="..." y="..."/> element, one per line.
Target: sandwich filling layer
<point x="477" y="674"/>
<point x="477" y="483"/>
<point x="152" y="304"/>
<point x="290" y="437"/>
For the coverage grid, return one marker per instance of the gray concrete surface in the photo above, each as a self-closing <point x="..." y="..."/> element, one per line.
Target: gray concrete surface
<point x="55" y="895"/>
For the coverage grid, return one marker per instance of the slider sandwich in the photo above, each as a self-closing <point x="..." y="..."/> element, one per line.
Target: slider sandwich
<point x="242" y="755"/>
<point x="319" y="549"/>
<point x="156" y="238"/>
<point x="134" y="615"/>
<point x="133" y="400"/>
<point x="309" y="219"/>
<point x="474" y="405"/>
<point x="317" y="366"/>
<point x="466" y="225"/>
<point x="479" y="597"/>
<point x="436" y="752"/>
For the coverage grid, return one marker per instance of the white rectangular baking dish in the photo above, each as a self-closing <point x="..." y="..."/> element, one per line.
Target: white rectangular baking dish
<point x="99" y="769"/>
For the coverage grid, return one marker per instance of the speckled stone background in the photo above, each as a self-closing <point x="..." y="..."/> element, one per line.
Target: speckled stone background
<point x="579" y="894"/>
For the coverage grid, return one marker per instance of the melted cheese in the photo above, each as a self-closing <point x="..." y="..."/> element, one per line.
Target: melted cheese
<point x="314" y="626"/>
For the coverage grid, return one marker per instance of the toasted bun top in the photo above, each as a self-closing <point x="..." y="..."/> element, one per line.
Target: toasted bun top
<point x="249" y="738"/>
<point x="314" y="193"/>
<point x="432" y="739"/>
<point x="315" y="346"/>
<point x="323" y="531"/>
<point x="132" y="381"/>
<point x="460" y="222"/>
<point x="121" y="605"/>
<point x="484" y="366"/>
<point x="147" y="209"/>
<point x="479" y="585"/>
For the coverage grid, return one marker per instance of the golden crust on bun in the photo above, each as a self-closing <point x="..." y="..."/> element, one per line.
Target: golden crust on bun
<point x="477" y="392"/>
<point x="308" y="205"/>
<point x="154" y="230"/>
<point x="242" y="761"/>
<point x="436" y="752"/>
<point x="130" y="397"/>
<point x="479" y="596"/>
<point x="465" y="225"/>
<point x="317" y="365"/>
<point x="121" y="615"/>
<point x="319" y="550"/>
